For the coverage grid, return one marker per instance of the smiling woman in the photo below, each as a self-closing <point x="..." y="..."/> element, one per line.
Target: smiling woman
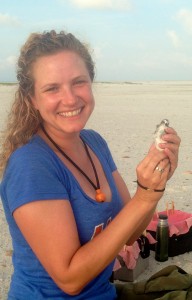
<point x="62" y="92"/>
<point x="24" y="119"/>
<point x="68" y="209"/>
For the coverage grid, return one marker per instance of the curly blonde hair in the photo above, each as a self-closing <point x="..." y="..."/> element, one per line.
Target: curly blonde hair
<point x="23" y="119"/>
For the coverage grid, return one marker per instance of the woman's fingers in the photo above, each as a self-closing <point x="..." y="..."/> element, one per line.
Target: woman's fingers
<point x="153" y="170"/>
<point x="153" y="157"/>
<point x="171" y="148"/>
<point x="173" y="158"/>
<point x="163" y="166"/>
<point x="158" y="166"/>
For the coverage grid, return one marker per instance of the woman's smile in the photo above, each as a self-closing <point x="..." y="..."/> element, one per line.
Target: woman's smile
<point x="69" y="114"/>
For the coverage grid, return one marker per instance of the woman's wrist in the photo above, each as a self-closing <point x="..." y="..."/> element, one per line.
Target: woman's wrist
<point x="149" y="196"/>
<point x="150" y="189"/>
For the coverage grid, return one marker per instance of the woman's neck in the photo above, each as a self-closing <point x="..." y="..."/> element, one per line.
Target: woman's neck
<point x="68" y="142"/>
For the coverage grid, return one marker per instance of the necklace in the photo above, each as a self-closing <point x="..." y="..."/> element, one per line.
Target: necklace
<point x="99" y="197"/>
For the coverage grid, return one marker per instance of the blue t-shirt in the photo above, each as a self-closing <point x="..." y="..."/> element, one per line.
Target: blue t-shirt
<point x="35" y="172"/>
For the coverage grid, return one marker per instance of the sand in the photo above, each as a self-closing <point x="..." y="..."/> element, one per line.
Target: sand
<point x="126" y="114"/>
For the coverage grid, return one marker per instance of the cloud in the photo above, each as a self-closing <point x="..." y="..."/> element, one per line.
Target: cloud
<point x="174" y="38"/>
<point x="98" y="52"/>
<point x="181" y="59"/>
<point x="6" y="19"/>
<point x="184" y="16"/>
<point x="9" y="61"/>
<point x="103" y="4"/>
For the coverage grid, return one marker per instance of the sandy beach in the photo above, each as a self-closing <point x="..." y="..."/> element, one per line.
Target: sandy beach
<point x="126" y="115"/>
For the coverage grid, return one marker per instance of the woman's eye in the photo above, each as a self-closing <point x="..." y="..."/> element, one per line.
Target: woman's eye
<point x="52" y="89"/>
<point x="80" y="82"/>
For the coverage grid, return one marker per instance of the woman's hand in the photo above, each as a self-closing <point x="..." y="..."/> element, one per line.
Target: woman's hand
<point x="158" y="166"/>
<point x="171" y="148"/>
<point x="152" y="173"/>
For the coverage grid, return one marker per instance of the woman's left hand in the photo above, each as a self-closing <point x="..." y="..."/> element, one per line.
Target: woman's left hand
<point x="171" y="148"/>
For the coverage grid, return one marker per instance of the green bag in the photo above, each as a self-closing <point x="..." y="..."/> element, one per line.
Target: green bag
<point x="170" y="283"/>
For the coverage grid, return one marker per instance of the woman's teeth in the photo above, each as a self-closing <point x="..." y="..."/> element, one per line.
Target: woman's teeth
<point x="70" y="113"/>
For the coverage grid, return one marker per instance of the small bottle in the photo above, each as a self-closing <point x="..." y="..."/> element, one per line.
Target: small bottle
<point x="162" y="237"/>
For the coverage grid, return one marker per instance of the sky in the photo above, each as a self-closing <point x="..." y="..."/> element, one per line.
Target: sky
<point x="131" y="40"/>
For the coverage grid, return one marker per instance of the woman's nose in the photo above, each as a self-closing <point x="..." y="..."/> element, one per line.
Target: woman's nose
<point x="68" y="95"/>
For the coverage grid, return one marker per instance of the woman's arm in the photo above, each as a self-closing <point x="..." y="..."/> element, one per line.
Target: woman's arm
<point x="121" y="187"/>
<point x="125" y="196"/>
<point x="49" y="228"/>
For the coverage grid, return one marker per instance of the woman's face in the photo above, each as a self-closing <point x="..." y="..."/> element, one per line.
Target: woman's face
<point x="62" y="92"/>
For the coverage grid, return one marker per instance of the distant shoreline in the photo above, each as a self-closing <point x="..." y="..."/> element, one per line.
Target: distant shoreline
<point x="126" y="82"/>
<point x="8" y="83"/>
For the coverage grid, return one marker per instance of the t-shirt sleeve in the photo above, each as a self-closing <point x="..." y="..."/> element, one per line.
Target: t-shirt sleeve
<point x="32" y="176"/>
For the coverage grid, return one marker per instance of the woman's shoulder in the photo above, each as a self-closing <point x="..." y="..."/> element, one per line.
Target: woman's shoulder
<point x="36" y="145"/>
<point x="32" y="160"/>
<point x="35" y="151"/>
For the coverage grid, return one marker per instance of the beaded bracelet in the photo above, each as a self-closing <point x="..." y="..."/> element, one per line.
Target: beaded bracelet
<point x="148" y="189"/>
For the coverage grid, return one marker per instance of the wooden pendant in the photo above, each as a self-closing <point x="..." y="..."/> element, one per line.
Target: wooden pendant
<point x="100" y="197"/>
